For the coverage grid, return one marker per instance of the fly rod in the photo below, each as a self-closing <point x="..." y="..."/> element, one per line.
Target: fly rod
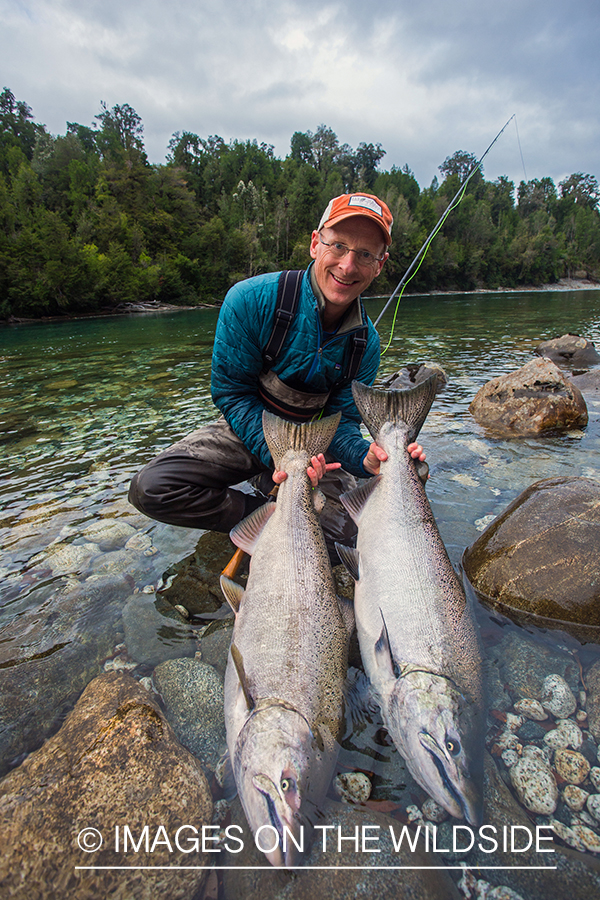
<point x="454" y="202"/>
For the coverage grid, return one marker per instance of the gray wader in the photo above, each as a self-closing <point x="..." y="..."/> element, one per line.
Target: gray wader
<point x="191" y="484"/>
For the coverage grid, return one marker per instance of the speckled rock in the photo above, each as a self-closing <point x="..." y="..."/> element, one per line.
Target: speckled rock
<point x="115" y="761"/>
<point x="593" y="806"/>
<point x="588" y="837"/>
<point x="571" y="766"/>
<point x="154" y="631"/>
<point x="576" y="876"/>
<point x="535" y="785"/>
<point x="433" y="812"/>
<point x="574" y="797"/>
<point x="337" y="882"/>
<point x="531" y="709"/>
<point x="566" y="734"/>
<point x="592" y="680"/>
<point x="192" y="693"/>
<point x="557" y="697"/>
<point x="595" y="777"/>
<point x="352" y="787"/>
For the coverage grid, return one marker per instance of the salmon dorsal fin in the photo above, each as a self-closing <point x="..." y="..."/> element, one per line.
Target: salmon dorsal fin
<point x="246" y="533"/>
<point x="232" y="591"/>
<point x="350" y="558"/>
<point x="355" y="500"/>
<point x="409" y="407"/>
<point x="313" y="437"/>
<point x="239" y="668"/>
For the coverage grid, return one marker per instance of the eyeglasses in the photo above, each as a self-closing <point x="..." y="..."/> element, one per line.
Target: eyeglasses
<point x="363" y="257"/>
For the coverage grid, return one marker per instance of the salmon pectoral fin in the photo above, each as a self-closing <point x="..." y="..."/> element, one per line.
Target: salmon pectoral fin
<point x="354" y="500"/>
<point x="350" y="558"/>
<point x="247" y="532"/>
<point x="383" y="651"/>
<point x="239" y="667"/>
<point x="232" y="591"/>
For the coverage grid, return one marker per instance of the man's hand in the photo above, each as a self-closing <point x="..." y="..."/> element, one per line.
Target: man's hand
<point x="377" y="455"/>
<point x="315" y="471"/>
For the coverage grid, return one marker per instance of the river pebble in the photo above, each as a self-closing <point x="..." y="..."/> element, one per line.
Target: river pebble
<point x="568" y="835"/>
<point x="531" y="709"/>
<point x="352" y="787"/>
<point x="109" y="534"/>
<point x="433" y="812"/>
<point x="557" y="697"/>
<point x="595" y="777"/>
<point x="575" y="797"/>
<point x="571" y="766"/>
<point x="534" y="782"/>
<point x="593" y="806"/>
<point x="566" y="734"/>
<point x="588" y="837"/>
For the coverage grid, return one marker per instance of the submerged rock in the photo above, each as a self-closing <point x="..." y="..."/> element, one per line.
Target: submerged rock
<point x="539" y="562"/>
<point x="192" y="693"/>
<point x="333" y="880"/>
<point x="570" y="350"/>
<point x="533" y="400"/>
<point x="48" y="655"/>
<point x="415" y="373"/>
<point x="155" y="631"/>
<point x="194" y="581"/>
<point x="114" y="763"/>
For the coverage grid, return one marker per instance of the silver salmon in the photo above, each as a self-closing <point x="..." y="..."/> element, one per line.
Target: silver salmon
<point x="418" y="638"/>
<point x="288" y="661"/>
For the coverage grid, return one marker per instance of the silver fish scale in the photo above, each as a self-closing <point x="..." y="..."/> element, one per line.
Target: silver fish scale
<point x="408" y="572"/>
<point x="289" y="629"/>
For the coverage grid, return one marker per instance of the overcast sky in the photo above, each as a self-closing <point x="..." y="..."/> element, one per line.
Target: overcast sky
<point x="423" y="79"/>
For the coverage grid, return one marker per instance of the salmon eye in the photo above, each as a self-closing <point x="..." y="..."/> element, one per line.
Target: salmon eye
<point x="286" y="785"/>
<point x="453" y="747"/>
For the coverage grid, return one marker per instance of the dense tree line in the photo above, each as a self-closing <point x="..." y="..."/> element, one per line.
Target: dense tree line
<point x="87" y="223"/>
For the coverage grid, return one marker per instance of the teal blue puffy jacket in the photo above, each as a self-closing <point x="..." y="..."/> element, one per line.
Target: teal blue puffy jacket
<point x="306" y="362"/>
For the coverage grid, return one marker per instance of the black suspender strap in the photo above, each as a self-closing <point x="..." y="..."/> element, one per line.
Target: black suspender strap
<point x="288" y="294"/>
<point x="359" y="344"/>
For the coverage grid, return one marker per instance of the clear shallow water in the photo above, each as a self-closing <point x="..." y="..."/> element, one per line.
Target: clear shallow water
<point x="84" y="404"/>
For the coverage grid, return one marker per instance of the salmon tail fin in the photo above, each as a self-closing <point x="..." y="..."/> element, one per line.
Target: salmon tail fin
<point x="411" y="407"/>
<point x="313" y="437"/>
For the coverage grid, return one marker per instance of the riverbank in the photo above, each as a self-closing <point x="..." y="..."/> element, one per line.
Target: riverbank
<point x="129" y="309"/>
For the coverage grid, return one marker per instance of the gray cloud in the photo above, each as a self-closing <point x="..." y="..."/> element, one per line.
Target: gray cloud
<point x="422" y="79"/>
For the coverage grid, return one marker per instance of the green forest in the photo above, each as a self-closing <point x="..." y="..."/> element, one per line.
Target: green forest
<point x="87" y="224"/>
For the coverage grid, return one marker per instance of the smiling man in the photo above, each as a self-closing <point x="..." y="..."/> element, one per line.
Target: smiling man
<point x="291" y="343"/>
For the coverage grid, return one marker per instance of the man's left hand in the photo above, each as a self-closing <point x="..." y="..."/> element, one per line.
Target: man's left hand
<point x="377" y="455"/>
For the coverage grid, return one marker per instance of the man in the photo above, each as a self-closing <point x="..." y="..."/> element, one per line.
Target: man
<point x="326" y="342"/>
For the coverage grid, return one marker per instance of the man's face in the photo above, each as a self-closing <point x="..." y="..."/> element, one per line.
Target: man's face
<point x="343" y="280"/>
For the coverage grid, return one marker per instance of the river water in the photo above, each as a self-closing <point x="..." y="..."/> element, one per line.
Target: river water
<point x="85" y="403"/>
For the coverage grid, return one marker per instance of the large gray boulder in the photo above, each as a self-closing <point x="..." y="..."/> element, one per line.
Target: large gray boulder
<point x="571" y="351"/>
<point x="539" y="562"/>
<point x="114" y="763"/>
<point x="535" y="399"/>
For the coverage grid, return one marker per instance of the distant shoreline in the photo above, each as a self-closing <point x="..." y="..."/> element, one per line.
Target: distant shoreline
<point x="565" y="284"/>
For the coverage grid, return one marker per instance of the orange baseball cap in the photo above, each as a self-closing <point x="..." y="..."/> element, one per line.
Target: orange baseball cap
<point x="359" y="205"/>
